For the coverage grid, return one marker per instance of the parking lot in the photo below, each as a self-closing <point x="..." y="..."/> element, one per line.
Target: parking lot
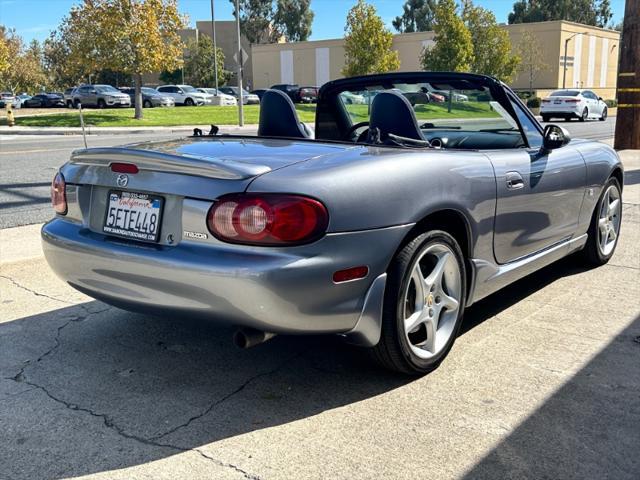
<point x="543" y="381"/>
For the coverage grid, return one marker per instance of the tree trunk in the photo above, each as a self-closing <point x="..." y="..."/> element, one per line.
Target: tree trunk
<point x="138" y="96"/>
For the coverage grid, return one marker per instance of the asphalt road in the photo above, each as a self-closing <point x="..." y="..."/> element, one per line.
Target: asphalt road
<point x="28" y="163"/>
<point x="543" y="382"/>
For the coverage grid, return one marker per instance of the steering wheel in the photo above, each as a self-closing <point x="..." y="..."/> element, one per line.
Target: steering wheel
<point x="349" y="134"/>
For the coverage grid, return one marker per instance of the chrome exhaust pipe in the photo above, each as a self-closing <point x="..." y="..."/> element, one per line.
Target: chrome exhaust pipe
<point x="250" y="337"/>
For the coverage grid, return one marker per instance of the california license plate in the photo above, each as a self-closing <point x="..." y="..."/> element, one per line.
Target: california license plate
<point x="133" y="215"/>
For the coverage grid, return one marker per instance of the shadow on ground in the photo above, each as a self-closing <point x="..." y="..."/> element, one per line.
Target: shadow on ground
<point x="90" y="389"/>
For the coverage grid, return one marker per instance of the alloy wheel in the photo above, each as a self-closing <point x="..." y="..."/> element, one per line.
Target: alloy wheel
<point x="431" y="300"/>
<point x="609" y="220"/>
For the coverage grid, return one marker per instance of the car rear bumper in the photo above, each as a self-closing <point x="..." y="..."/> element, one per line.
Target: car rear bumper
<point x="272" y="289"/>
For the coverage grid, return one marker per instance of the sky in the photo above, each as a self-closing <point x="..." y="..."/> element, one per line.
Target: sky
<point x="36" y="18"/>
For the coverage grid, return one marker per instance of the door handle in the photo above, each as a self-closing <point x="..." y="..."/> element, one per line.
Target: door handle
<point x="514" y="181"/>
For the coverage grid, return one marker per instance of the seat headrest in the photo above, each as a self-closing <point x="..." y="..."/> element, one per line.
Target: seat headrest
<point x="278" y="117"/>
<point x="392" y="113"/>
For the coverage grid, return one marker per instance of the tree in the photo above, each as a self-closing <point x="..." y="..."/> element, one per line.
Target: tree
<point x="171" y="77"/>
<point x="367" y="43"/>
<point x="453" y="49"/>
<point x="417" y="16"/>
<point x="127" y="36"/>
<point x="491" y="44"/>
<point x="263" y="22"/>
<point x="293" y="19"/>
<point x="589" y="12"/>
<point x="197" y="68"/>
<point x="531" y="56"/>
<point x="20" y="67"/>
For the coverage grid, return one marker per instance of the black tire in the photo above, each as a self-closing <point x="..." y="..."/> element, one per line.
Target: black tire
<point x="147" y="104"/>
<point x="592" y="252"/>
<point x="69" y="104"/>
<point x="605" y="112"/>
<point x="585" y="114"/>
<point x="545" y="118"/>
<point x="101" y="103"/>
<point x="393" y="350"/>
<point x="189" y="102"/>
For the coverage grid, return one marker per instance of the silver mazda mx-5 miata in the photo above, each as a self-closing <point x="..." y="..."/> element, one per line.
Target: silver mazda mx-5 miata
<point x="382" y="228"/>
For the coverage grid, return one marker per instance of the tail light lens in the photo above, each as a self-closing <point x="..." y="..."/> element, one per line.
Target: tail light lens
<point x="546" y="100"/>
<point x="572" y="100"/>
<point x="267" y="219"/>
<point x="59" y="194"/>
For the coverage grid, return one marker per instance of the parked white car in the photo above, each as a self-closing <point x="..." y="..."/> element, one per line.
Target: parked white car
<point x="573" y="103"/>
<point x="184" y="94"/>
<point x="219" y="98"/>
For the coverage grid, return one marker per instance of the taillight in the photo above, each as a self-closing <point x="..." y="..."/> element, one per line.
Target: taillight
<point x="546" y="100"/>
<point x="124" y="168"/>
<point x="572" y="100"/>
<point x="267" y="219"/>
<point x="59" y="194"/>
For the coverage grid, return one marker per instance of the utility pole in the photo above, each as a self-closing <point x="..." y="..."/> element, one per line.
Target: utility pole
<point x="240" y="110"/>
<point x="215" y="48"/>
<point x="628" y="120"/>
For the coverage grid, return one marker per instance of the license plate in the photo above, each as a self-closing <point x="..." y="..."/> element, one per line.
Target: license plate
<point x="558" y="102"/>
<point x="133" y="215"/>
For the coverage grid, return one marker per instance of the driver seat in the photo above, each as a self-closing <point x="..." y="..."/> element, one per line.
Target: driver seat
<point x="278" y="117"/>
<point x="391" y="113"/>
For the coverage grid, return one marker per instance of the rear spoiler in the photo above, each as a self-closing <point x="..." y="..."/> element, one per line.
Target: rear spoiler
<point x="198" y="165"/>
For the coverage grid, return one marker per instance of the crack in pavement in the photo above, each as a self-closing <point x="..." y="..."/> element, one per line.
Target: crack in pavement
<point x="37" y="294"/>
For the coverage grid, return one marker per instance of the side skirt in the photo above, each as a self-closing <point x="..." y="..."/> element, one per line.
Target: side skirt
<point x="490" y="277"/>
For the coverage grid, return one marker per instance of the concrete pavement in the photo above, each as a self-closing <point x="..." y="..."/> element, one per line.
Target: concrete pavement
<point x="542" y="383"/>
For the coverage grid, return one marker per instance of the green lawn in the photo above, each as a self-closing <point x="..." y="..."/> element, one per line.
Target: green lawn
<point x="168" y="117"/>
<point x="155" y="117"/>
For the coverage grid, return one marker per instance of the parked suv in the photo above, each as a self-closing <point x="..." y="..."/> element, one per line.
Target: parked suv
<point x="290" y="89"/>
<point x="183" y="94"/>
<point x="247" y="98"/>
<point x="150" y="97"/>
<point x="100" y="96"/>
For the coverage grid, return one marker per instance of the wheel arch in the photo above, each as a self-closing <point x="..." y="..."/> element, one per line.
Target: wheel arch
<point x="456" y="224"/>
<point x="618" y="175"/>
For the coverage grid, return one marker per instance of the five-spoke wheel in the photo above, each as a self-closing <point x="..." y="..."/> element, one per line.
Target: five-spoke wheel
<point x="605" y="225"/>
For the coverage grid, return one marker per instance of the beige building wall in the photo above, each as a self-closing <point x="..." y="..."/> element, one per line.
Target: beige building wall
<point x="592" y="58"/>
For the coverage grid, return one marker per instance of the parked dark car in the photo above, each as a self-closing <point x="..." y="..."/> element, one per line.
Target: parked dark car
<point x="290" y="89"/>
<point x="150" y="97"/>
<point x="308" y="95"/>
<point x="259" y="92"/>
<point x="45" y="100"/>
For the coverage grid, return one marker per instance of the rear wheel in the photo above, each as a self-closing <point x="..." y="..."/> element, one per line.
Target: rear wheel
<point x="585" y="114"/>
<point x="603" y="117"/>
<point x="604" y="230"/>
<point x="147" y="104"/>
<point x="424" y="303"/>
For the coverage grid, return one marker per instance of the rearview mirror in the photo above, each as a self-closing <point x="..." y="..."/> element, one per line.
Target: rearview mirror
<point x="555" y="137"/>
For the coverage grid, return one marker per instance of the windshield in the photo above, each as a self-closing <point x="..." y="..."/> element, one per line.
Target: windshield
<point x="106" y="89"/>
<point x="437" y="106"/>
<point x="566" y="93"/>
<point x="188" y="88"/>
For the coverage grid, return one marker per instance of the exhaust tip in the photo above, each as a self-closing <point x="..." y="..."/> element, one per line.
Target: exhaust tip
<point x="250" y="337"/>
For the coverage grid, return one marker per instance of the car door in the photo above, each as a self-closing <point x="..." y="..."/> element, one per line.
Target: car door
<point x="539" y="194"/>
<point x="597" y="105"/>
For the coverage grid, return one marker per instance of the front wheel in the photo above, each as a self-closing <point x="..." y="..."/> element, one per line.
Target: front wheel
<point x="147" y="104"/>
<point x="189" y="102"/>
<point x="604" y="230"/>
<point x="423" y="306"/>
<point x="101" y="103"/>
<point x="603" y="117"/>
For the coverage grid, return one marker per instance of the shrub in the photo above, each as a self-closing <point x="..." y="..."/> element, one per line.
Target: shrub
<point x="612" y="103"/>
<point x="533" y="102"/>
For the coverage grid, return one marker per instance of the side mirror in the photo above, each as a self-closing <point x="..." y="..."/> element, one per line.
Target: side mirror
<point x="600" y="98"/>
<point x="555" y="136"/>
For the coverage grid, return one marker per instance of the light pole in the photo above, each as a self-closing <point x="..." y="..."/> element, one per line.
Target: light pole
<point x="240" y="110"/>
<point x="215" y="49"/>
<point x="566" y="44"/>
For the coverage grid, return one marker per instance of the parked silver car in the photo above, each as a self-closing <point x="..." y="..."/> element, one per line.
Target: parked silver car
<point x="219" y="98"/>
<point x="382" y="229"/>
<point x="100" y="96"/>
<point x="184" y="95"/>
<point x="247" y="98"/>
<point x="150" y="97"/>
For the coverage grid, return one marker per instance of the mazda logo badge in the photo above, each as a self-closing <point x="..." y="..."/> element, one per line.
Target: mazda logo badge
<point x="122" y="180"/>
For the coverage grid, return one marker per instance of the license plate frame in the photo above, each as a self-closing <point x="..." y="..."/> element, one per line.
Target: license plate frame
<point x="134" y="234"/>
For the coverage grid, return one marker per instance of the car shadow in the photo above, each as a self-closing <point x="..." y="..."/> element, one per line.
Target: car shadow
<point x="122" y="389"/>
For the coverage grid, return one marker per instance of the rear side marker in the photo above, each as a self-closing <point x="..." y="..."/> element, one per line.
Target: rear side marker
<point x="350" y="274"/>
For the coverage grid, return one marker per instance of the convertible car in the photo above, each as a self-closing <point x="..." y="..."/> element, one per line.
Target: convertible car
<point x="382" y="226"/>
